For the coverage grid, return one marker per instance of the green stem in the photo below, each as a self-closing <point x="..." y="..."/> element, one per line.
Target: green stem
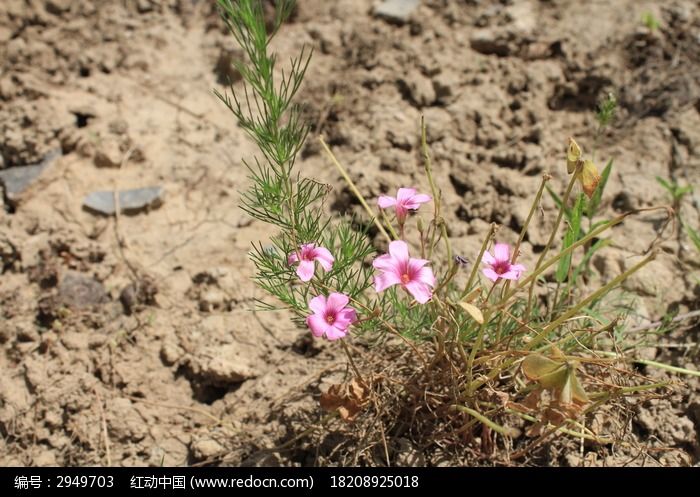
<point x="516" y="250"/>
<point x="437" y="199"/>
<point x="542" y="268"/>
<point x="595" y="295"/>
<point x="542" y="335"/>
<point x="477" y="262"/>
<point x="555" y="229"/>
<point x="661" y="365"/>
<point x="472" y="354"/>
<point x="508" y="432"/>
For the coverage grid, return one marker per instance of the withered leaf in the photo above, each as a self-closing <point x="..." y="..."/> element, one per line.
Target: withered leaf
<point x="349" y="399"/>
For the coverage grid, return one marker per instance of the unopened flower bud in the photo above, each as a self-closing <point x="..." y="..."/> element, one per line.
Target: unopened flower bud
<point x="589" y="178"/>
<point x="573" y="155"/>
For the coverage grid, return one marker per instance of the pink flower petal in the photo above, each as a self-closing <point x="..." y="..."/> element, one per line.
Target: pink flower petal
<point x="420" y="291"/>
<point x="399" y="250"/>
<point x="334" y="333"/>
<point x="415" y="201"/>
<point x="385" y="202"/>
<point x="385" y="263"/>
<point x="318" y="305"/>
<point x="345" y="318"/>
<point x="317" y="324"/>
<point x="405" y="194"/>
<point x="292" y="258"/>
<point x="421" y="198"/>
<point x="487" y="258"/>
<point x="426" y="276"/>
<point x="415" y="265"/>
<point x="306" y="270"/>
<point x="385" y="280"/>
<point x="510" y="275"/>
<point x="336" y="302"/>
<point x="517" y="267"/>
<point x="490" y="274"/>
<point x="324" y="257"/>
<point x="401" y="212"/>
<point x="501" y="252"/>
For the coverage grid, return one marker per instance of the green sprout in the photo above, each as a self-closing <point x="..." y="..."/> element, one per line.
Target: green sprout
<point x="650" y="21"/>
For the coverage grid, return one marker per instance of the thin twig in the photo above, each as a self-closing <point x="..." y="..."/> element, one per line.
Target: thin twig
<point x="657" y="324"/>
<point x="355" y="191"/>
<point x="105" y="434"/>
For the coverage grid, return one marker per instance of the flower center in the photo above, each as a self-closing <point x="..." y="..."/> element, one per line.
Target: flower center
<point x="330" y="319"/>
<point x="501" y="267"/>
<point x="405" y="278"/>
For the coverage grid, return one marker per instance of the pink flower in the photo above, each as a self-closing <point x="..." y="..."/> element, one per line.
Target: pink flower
<point x="309" y="253"/>
<point x="406" y="199"/>
<point x="500" y="266"/>
<point x="331" y="316"/>
<point x="397" y="268"/>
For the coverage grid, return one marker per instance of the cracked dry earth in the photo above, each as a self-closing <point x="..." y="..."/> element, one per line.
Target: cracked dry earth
<point x="135" y="332"/>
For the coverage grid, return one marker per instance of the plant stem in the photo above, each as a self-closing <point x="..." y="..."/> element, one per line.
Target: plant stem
<point x="357" y="193"/>
<point x="508" y="432"/>
<point x="437" y="198"/>
<point x="552" y="326"/>
<point x="543" y="267"/>
<point x="555" y="229"/>
<point x="656" y="364"/>
<point x="477" y="262"/>
<point x="352" y="363"/>
<point x="595" y="295"/>
<point x="516" y="250"/>
<point x="472" y="354"/>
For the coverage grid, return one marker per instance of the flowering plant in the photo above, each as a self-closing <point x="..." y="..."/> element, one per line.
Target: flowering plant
<point x="486" y="337"/>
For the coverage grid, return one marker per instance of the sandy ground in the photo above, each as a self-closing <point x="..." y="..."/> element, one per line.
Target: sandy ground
<point x="129" y="340"/>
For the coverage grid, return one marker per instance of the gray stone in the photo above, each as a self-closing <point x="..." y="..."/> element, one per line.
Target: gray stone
<point x="397" y="11"/>
<point x="16" y="180"/>
<point x="489" y="42"/>
<point x="81" y="291"/>
<point x="130" y="201"/>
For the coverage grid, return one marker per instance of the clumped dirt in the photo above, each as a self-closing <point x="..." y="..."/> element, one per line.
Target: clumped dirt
<point x="129" y="340"/>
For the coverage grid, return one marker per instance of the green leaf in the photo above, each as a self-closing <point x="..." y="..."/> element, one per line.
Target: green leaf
<point x="558" y="202"/>
<point x="570" y="238"/>
<point x="557" y="375"/>
<point x="693" y="235"/>
<point x="680" y="191"/>
<point x="594" y="203"/>
<point x="587" y="257"/>
<point x="665" y="184"/>
<point x="473" y="311"/>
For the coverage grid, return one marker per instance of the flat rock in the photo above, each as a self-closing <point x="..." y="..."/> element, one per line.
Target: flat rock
<point x="81" y="291"/>
<point x="397" y="11"/>
<point x="15" y="180"/>
<point x="130" y="201"/>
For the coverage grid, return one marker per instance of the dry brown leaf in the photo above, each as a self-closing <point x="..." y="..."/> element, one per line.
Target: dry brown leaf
<point x="349" y="399"/>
